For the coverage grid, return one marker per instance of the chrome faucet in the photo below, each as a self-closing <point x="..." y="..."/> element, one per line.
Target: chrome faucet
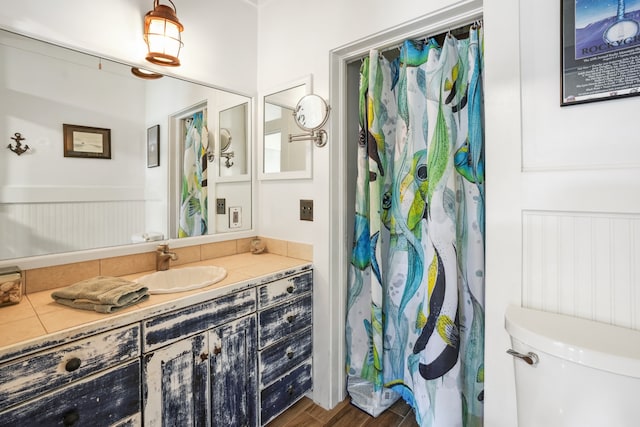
<point x="163" y="257"/>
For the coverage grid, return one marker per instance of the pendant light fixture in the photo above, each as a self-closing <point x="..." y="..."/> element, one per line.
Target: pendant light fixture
<point x="162" y="35"/>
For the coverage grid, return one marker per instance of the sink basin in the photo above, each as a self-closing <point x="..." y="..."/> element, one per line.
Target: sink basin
<point x="182" y="279"/>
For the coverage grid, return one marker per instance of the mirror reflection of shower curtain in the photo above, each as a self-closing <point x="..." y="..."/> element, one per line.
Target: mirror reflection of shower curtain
<point x="415" y="315"/>
<point x="193" y="191"/>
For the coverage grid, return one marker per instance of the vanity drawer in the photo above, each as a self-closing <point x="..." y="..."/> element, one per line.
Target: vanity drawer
<point x="30" y="376"/>
<point x="105" y="399"/>
<point x="284" y="392"/>
<point x="282" y="320"/>
<point x="277" y="359"/>
<point x="283" y="289"/>
<point x="176" y="325"/>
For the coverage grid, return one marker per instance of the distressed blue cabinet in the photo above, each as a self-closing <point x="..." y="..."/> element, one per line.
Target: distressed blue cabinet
<point x="234" y="393"/>
<point x="204" y="379"/>
<point x="106" y="399"/>
<point x="285" y="343"/>
<point x="236" y="360"/>
<point x="91" y="381"/>
<point x="175" y="384"/>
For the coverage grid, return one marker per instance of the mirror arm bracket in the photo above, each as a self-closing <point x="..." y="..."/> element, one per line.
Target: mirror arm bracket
<point x="211" y="157"/>
<point x="319" y="137"/>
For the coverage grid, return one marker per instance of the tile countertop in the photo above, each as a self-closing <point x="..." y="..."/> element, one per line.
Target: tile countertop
<point x="38" y="322"/>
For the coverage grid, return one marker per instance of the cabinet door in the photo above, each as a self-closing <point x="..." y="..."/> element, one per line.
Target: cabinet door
<point x="175" y="384"/>
<point x="234" y="374"/>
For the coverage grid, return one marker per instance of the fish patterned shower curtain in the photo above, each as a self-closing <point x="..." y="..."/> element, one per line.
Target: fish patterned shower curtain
<point x="415" y="315"/>
<point x="193" y="194"/>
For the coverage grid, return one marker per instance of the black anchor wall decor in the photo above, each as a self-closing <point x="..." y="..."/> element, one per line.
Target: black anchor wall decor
<point x="18" y="149"/>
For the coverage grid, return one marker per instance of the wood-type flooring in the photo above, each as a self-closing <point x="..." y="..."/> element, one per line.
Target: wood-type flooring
<point x="307" y="414"/>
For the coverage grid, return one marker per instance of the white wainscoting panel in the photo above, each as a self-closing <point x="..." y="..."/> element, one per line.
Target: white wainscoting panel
<point x="582" y="264"/>
<point x="28" y="229"/>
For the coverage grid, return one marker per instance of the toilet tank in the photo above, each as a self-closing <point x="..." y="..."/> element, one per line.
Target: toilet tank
<point x="587" y="373"/>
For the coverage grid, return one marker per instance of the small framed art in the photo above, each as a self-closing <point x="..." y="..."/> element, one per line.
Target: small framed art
<point x="85" y="141"/>
<point x="600" y="53"/>
<point x="153" y="146"/>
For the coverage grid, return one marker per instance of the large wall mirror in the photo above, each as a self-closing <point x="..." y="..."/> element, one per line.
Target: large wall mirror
<point x="280" y="158"/>
<point x="166" y="135"/>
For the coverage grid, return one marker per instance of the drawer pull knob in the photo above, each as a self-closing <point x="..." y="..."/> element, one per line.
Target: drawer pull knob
<point x="70" y="418"/>
<point x="72" y="364"/>
<point x="291" y="318"/>
<point x="204" y="356"/>
<point x="217" y="350"/>
<point x="290" y="289"/>
<point x="290" y="390"/>
<point x="290" y="355"/>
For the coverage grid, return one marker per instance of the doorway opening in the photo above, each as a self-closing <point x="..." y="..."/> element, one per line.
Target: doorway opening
<point x="344" y="75"/>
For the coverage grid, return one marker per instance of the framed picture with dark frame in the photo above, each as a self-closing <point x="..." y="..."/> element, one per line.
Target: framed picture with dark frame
<point x="85" y="141"/>
<point x="153" y="146"/>
<point x="600" y="54"/>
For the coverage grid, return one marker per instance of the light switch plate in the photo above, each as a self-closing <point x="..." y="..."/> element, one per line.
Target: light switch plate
<point x="235" y="217"/>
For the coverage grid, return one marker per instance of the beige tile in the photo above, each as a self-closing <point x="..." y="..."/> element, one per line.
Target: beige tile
<point x="244" y="245"/>
<point x="300" y="250"/>
<point x="41" y="279"/>
<point x="161" y="299"/>
<point x="242" y="261"/>
<point x="231" y="278"/>
<point x="186" y="255"/>
<point x="59" y="320"/>
<point x="128" y="264"/>
<point x="218" y="249"/>
<point x="21" y="330"/>
<point x="11" y="313"/>
<point x="257" y="264"/>
<point x="42" y="302"/>
<point x="235" y="261"/>
<point x="275" y="246"/>
<point x="281" y="262"/>
<point x="259" y="269"/>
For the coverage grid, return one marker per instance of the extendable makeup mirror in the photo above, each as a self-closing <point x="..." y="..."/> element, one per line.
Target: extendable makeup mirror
<point x="310" y="114"/>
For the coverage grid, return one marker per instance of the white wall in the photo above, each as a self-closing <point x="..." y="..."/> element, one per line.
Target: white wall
<point x="219" y="36"/>
<point x="52" y="203"/>
<point x="37" y="103"/>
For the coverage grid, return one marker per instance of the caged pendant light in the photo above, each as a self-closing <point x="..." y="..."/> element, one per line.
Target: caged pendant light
<point x="162" y="35"/>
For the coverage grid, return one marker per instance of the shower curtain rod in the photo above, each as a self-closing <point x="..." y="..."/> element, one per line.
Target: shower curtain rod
<point x="461" y="30"/>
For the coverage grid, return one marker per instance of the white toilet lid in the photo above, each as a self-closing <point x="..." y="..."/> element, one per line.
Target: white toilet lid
<point x="595" y="344"/>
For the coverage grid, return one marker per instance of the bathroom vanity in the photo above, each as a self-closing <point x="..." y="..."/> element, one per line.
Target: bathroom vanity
<point x="235" y="354"/>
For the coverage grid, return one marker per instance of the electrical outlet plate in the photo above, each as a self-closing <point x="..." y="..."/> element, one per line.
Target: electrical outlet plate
<point x="235" y="217"/>
<point x="221" y="206"/>
<point x="306" y="210"/>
